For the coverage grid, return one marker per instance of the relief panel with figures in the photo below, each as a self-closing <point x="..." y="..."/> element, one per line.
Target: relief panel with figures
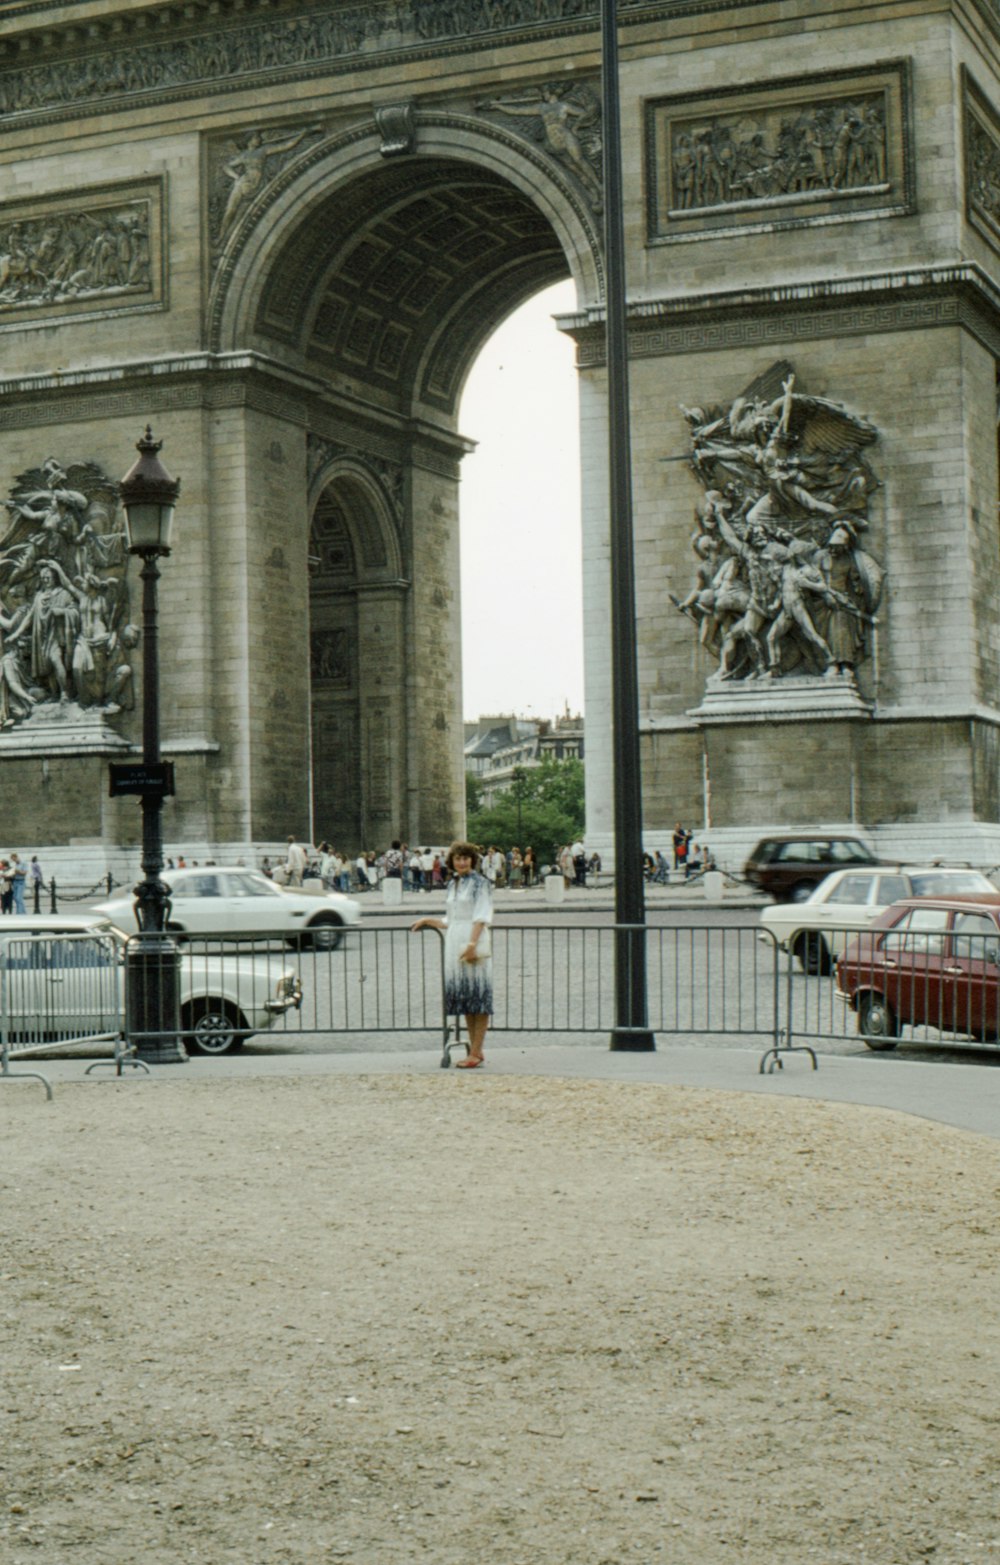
<point x="95" y="248"/>
<point x="819" y="149"/>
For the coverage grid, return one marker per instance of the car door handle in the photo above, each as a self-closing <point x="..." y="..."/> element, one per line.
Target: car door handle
<point x="953" y="972"/>
<point x="888" y="962"/>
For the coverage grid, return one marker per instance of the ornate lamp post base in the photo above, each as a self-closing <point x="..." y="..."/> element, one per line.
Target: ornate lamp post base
<point x="152" y="999"/>
<point x="633" y="1040"/>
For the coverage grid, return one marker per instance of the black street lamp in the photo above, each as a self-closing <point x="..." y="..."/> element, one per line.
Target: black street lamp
<point x="148" y="495"/>
<point x="631" y="1029"/>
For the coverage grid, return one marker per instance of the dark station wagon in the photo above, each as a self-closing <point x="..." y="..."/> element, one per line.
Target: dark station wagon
<point x="790" y="865"/>
<point x="933" y="963"/>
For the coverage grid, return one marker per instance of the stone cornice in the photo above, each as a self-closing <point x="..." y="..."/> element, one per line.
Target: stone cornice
<point x="913" y="298"/>
<point x="206" y="379"/>
<point x="119" y="59"/>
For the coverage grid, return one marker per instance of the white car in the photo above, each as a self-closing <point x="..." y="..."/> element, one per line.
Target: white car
<point x="62" y="979"/>
<point x="818" y="929"/>
<point x="234" y="902"/>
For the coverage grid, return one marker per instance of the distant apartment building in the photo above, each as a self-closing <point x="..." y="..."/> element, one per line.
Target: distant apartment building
<point x="496" y="745"/>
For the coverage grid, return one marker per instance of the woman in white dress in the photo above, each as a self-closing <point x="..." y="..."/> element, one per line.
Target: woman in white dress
<point x="468" y="977"/>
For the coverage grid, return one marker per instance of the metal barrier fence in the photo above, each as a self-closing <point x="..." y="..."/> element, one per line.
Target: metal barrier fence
<point x="547" y="978"/>
<point x="923" y="982"/>
<point x="56" y="990"/>
<point x="708" y="981"/>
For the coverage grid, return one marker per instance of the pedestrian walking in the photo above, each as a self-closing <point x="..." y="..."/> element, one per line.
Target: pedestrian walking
<point x="579" y="854"/>
<point x="19" y="876"/>
<point x="295" y="863"/>
<point x="37" y="882"/>
<point x="468" y="963"/>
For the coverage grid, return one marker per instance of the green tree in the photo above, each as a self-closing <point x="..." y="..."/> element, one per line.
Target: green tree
<point x="543" y="806"/>
<point x="473" y="794"/>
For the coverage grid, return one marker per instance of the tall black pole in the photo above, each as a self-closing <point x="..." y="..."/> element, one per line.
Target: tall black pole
<point x="153" y="969"/>
<point x="151" y="893"/>
<point x="631" y="1029"/>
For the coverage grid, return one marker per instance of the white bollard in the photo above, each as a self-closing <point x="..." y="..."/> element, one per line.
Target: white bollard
<point x="713" y="885"/>
<point x="392" y="891"/>
<point x="555" y="889"/>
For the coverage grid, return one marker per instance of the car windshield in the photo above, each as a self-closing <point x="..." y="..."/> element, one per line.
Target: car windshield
<point x="848" y="850"/>
<point x="949" y="883"/>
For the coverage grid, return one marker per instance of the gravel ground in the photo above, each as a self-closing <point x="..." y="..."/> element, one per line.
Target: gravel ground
<point x="456" y="1317"/>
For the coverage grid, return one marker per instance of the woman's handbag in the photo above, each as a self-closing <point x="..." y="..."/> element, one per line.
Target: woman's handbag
<point x="484" y="945"/>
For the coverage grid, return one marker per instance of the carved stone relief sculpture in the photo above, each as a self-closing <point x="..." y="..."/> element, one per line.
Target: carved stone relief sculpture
<point x="330" y="657"/>
<point x="320" y="36"/>
<point x="77" y="252"/>
<point x="982" y="161"/>
<point x="783" y="585"/>
<point x="566" y="120"/>
<point x="833" y="146"/>
<point x="65" y="635"/>
<point x="241" y="168"/>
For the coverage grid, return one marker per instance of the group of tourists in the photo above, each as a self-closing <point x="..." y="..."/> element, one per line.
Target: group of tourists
<point x="420" y="869"/>
<point x="690" y="858"/>
<point x="516" y="868"/>
<point x="426" y="868"/>
<point x="15" y="877"/>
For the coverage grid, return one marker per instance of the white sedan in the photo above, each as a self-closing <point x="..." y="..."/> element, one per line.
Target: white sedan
<point x="241" y="903"/>
<point x="818" y="929"/>
<point x="62" y="981"/>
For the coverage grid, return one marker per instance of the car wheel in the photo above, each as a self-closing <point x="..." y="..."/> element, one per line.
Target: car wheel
<point x="213" y="1027"/>
<point x="800" y="891"/>
<point x="326" y="932"/>
<point x="813" y="955"/>
<point x="877" y="1022"/>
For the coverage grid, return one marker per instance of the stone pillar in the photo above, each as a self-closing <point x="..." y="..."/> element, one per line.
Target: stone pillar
<point x="384" y="714"/>
<point x="257" y="547"/>
<point x="436" y="780"/>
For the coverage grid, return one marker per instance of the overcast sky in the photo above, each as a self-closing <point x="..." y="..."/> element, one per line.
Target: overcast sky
<point x="522" y="616"/>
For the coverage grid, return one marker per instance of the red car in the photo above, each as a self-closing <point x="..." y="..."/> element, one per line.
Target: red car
<point x="932" y="962"/>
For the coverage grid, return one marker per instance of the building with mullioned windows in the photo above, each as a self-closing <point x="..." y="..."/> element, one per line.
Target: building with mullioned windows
<point x="496" y="747"/>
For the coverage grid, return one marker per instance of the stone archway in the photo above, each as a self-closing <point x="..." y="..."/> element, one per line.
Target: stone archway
<point x="374" y="282"/>
<point x="357" y="626"/>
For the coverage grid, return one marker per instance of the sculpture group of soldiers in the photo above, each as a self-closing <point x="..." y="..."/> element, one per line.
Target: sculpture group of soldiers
<point x="831" y="147"/>
<point x="63" y="608"/>
<point x="782" y="583"/>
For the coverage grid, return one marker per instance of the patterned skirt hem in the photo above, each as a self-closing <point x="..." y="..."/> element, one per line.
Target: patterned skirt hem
<point x="469" y="996"/>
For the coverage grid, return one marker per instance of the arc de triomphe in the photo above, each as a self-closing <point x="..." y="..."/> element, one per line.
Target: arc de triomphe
<point x="281" y="232"/>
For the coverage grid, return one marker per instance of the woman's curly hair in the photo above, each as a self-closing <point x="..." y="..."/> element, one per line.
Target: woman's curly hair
<point x="468" y="850"/>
